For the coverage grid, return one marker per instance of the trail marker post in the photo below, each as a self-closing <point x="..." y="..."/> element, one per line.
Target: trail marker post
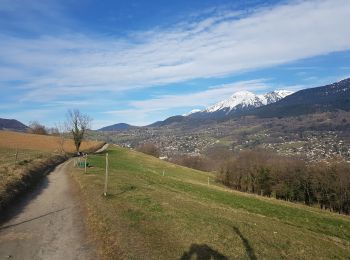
<point x="85" y="162"/>
<point x="16" y="156"/>
<point x="106" y="178"/>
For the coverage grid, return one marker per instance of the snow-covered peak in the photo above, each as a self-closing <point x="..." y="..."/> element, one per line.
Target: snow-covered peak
<point x="283" y="93"/>
<point x="244" y="100"/>
<point x="276" y="95"/>
<point x="192" y="112"/>
<point x="241" y="99"/>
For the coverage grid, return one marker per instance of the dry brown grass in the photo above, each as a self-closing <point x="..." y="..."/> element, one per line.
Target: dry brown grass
<point x="36" y="155"/>
<point x="13" y="140"/>
<point x="16" y="179"/>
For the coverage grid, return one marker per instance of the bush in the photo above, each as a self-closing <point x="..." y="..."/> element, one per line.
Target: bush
<point x="37" y="128"/>
<point x="197" y="162"/>
<point x="149" y="149"/>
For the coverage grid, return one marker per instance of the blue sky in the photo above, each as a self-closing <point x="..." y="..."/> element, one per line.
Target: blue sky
<point x="142" y="61"/>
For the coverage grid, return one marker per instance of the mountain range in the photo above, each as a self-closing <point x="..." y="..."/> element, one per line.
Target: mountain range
<point x="12" y="124"/>
<point x="327" y="98"/>
<point x="278" y="103"/>
<point x="117" y="127"/>
<point x="239" y="102"/>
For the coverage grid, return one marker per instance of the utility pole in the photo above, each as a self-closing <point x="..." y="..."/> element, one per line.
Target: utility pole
<point x="106" y="178"/>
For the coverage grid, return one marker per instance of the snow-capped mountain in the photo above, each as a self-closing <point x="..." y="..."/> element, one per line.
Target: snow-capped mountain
<point x="192" y="112"/>
<point x="243" y="100"/>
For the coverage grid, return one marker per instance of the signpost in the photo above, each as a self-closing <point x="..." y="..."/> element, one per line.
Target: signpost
<point x="106" y="178"/>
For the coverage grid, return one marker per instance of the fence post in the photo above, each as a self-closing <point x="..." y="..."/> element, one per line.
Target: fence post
<point x="16" y="156"/>
<point x="106" y="177"/>
<point x="85" y="162"/>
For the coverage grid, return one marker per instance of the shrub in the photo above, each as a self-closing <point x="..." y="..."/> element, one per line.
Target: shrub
<point x="149" y="149"/>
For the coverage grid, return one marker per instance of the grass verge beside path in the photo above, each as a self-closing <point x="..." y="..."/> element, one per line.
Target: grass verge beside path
<point x="36" y="156"/>
<point x="15" y="179"/>
<point x="148" y="216"/>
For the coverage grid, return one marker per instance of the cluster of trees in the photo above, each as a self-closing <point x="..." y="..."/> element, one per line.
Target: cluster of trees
<point x="198" y="162"/>
<point x="210" y="160"/>
<point x="76" y="126"/>
<point x="149" y="148"/>
<point x="36" y="128"/>
<point x="268" y="174"/>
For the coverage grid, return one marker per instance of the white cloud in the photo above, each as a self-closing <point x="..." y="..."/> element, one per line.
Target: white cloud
<point x="143" y="112"/>
<point x="203" y="98"/>
<point x="213" y="47"/>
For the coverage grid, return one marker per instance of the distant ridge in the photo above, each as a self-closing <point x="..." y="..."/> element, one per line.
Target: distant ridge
<point x="278" y="103"/>
<point x="326" y="98"/>
<point x="236" y="104"/>
<point x="12" y="124"/>
<point x="117" y="127"/>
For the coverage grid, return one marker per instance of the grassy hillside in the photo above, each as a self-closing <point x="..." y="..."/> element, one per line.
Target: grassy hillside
<point x="148" y="216"/>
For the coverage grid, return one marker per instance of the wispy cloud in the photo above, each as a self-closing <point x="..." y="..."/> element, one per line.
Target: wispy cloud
<point x="140" y="110"/>
<point x="55" y="66"/>
<point x="198" y="99"/>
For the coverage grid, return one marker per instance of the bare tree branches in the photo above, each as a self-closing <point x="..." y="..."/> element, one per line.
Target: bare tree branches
<point x="77" y="124"/>
<point x="36" y="128"/>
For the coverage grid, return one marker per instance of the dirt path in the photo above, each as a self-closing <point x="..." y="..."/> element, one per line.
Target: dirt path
<point x="102" y="149"/>
<point x="46" y="224"/>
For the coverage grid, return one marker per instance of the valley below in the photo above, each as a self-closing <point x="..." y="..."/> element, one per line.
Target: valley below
<point x="315" y="137"/>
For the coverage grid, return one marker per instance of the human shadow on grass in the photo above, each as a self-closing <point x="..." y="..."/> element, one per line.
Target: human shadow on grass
<point x="248" y="248"/>
<point x="111" y="194"/>
<point x="202" y="252"/>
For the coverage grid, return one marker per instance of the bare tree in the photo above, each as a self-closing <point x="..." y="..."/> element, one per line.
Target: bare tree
<point x="77" y="124"/>
<point x="149" y="148"/>
<point x="60" y="130"/>
<point x="36" y="128"/>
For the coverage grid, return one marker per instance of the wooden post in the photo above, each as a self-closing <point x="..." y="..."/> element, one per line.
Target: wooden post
<point x="163" y="172"/>
<point x="16" y="156"/>
<point x="85" y="162"/>
<point x="106" y="178"/>
<point x="208" y="181"/>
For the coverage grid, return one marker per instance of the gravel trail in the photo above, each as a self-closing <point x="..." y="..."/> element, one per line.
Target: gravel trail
<point x="47" y="223"/>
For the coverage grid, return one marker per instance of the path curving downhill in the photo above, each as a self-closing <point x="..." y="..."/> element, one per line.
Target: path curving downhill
<point x="103" y="148"/>
<point x="47" y="223"/>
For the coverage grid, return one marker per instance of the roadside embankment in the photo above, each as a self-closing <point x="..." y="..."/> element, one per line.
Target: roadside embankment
<point x="16" y="180"/>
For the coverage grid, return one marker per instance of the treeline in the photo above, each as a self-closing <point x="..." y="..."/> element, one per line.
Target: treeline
<point x="265" y="173"/>
<point x="211" y="160"/>
<point x="148" y="148"/>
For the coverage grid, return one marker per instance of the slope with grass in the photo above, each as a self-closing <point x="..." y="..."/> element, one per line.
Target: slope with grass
<point x="150" y="216"/>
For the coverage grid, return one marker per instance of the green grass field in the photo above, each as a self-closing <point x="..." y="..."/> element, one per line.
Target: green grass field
<point x="178" y="216"/>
